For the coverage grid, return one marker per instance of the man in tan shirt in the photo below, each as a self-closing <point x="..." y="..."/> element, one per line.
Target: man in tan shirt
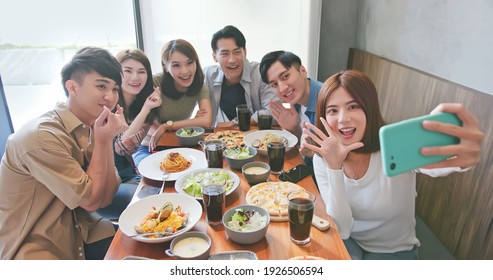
<point x="59" y="168"/>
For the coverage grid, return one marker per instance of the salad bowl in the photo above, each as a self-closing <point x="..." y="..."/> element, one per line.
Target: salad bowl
<point x="236" y="157"/>
<point x="246" y="231"/>
<point x="190" y="136"/>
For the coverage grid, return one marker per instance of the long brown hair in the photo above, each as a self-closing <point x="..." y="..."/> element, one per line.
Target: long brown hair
<point x="136" y="106"/>
<point x="166" y="83"/>
<point x="362" y="89"/>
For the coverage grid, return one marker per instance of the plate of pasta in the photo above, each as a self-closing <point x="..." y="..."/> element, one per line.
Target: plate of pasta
<point x="167" y="212"/>
<point x="175" y="161"/>
<point x="260" y="138"/>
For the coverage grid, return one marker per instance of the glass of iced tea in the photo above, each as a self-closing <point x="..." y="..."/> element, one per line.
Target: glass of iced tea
<point x="264" y="119"/>
<point x="243" y="114"/>
<point x="275" y="152"/>
<point x="214" y="199"/>
<point x="300" y="210"/>
<point x="213" y="150"/>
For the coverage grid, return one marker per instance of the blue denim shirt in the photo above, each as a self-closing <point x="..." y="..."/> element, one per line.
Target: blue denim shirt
<point x="311" y="109"/>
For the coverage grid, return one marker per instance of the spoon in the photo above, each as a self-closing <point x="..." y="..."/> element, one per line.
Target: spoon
<point x="164" y="176"/>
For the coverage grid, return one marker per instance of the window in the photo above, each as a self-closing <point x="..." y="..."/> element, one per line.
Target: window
<point x="292" y="25"/>
<point x="38" y="37"/>
<point x="5" y="122"/>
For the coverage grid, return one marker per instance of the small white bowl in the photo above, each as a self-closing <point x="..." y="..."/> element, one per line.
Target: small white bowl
<point x="246" y="237"/>
<point x="193" y="245"/>
<point x="254" y="178"/>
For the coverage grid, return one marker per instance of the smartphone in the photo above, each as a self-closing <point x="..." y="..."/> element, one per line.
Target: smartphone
<point x="148" y="191"/>
<point x="400" y="143"/>
<point x="162" y="148"/>
<point x="295" y="174"/>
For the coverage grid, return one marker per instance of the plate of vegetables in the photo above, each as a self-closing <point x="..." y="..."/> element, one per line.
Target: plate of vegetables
<point x="191" y="183"/>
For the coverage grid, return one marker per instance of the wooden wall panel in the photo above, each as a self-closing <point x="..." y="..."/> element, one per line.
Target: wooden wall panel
<point x="458" y="208"/>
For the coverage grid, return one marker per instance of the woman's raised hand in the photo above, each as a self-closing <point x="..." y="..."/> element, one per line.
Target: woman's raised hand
<point x="154" y="100"/>
<point x="330" y="146"/>
<point x="305" y="138"/>
<point x="156" y="136"/>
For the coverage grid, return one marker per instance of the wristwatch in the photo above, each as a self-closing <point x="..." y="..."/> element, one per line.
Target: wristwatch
<point x="170" y="125"/>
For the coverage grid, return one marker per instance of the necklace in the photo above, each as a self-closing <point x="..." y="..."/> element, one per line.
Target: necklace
<point x="353" y="174"/>
<point x="357" y="165"/>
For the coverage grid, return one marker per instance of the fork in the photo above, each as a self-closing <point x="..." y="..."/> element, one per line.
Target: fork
<point x="164" y="176"/>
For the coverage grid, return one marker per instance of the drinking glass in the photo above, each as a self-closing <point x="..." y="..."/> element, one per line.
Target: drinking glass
<point x="213" y="150"/>
<point x="275" y="152"/>
<point x="214" y="199"/>
<point x="264" y="119"/>
<point x="300" y="211"/>
<point x="243" y="114"/>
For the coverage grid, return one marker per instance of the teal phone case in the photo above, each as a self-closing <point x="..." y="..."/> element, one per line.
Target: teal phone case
<point x="400" y="143"/>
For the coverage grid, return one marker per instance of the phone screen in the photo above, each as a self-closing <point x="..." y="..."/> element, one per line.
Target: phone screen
<point x="295" y="174"/>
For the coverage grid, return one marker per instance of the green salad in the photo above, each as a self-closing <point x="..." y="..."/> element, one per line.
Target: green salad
<point x="189" y="132"/>
<point x="238" y="152"/>
<point x="246" y="220"/>
<point x="193" y="184"/>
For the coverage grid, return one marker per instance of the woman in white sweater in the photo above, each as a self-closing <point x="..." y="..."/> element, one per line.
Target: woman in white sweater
<point x="374" y="213"/>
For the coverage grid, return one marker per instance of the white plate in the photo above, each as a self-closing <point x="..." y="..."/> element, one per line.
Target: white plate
<point x="136" y="211"/>
<point x="180" y="182"/>
<point x="259" y="134"/>
<point x="150" y="167"/>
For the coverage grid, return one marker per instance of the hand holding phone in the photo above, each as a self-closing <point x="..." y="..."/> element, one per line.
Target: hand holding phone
<point x="400" y="143"/>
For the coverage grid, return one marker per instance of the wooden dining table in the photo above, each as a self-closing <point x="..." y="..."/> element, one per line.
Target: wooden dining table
<point x="275" y="246"/>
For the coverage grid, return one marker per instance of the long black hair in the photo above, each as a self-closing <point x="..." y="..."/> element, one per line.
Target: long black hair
<point x="147" y="90"/>
<point x="167" y="83"/>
